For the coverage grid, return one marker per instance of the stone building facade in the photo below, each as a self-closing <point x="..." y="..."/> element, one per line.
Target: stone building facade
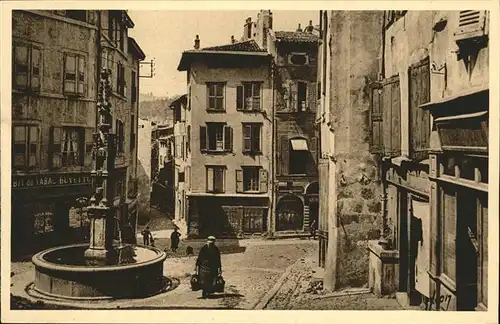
<point x="56" y="58"/>
<point x="349" y="181"/>
<point x="144" y="181"/>
<point x="429" y="120"/>
<point x="182" y="154"/>
<point x="295" y="137"/>
<point x="229" y="104"/>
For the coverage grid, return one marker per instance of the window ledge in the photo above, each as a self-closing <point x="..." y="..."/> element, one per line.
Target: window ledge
<point x="216" y="152"/>
<point x="252" y="153"/>
<point x="210" y="110"/>
<point x="256" y="111"/>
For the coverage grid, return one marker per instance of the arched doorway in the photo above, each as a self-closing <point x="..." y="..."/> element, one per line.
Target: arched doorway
<point x="290" y="214"/>
<point x="312" y="200"/>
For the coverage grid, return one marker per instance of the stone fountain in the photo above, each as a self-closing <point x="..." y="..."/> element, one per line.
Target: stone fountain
<point x="104" y="268"/>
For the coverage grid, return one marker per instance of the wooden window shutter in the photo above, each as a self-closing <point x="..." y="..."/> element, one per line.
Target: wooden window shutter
<point x="263" y="178"/>
<point x="228" y="139"/>
<point x="89" y="143"/>
<point x="55" y="147"/>
<point x="35" y="68"/>
<point x="376" y="108"/>
<point x="239" y="180"/>
<point x="239" y="98"/>
<point x="284" y="155"/>
<point x="203" y="138"/>
<point x="210" y="179"/>
<point x="247" y="138"/>
<point x="391" y="116"/>
<point x="419" y="93"/>
<point x="471" y="23"/>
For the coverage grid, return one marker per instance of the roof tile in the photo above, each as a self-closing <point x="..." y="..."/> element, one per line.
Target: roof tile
<point x="290" y="36"/>
<point x="245" y="46"/>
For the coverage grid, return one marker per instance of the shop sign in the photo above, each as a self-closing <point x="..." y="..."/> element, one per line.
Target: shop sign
<point x="50" y="180"/>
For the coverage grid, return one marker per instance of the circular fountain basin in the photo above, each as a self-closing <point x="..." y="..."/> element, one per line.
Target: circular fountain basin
<point x="128" y="271"/>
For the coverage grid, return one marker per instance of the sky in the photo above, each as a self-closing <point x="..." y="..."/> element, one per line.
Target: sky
<point x="164" y="35"/>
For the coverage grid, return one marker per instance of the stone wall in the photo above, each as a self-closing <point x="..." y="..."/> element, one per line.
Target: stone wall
<point x="355" y="55"/>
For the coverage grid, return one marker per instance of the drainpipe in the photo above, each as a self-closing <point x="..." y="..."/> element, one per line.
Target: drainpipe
<point x="382" y="72"/>
<point x="271" y="226"/>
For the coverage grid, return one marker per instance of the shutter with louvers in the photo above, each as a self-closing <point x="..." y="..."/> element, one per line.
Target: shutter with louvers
<point x="471" y="23"/>
<point x="376" y="129"/>
<point x="239" y="181"/>
<point x="228" y="139"/>
<point x="419" y="93"/>
<point x="284" y="155"/>
<point x="313" y="148"/>
<point x="55" y="147"/>
<point x="239" y="98"/>
<point x="263" y="180"/>
<point x="203" y="138"/>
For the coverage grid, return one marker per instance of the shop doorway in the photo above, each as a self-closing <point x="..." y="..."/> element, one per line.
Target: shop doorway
<point x="290" y="214"/>
<point x="468" y="249"/>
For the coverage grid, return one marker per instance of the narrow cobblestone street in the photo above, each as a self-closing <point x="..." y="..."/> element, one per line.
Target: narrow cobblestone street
<point x="285" y="266"/>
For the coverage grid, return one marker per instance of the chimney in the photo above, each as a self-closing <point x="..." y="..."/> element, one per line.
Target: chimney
<point x="233" y="40"/>
<point x="299" y="29"/>
<point x="197" y="42"/>
<point x="247" y="30"/>
<point x="310" y="28"/>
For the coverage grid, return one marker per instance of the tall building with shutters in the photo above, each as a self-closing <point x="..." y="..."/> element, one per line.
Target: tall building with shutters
<point x="229" y="104"/>
<point x="57" y="55"/>
<point x="429" y="125"/>
<point x="296" y="136"/>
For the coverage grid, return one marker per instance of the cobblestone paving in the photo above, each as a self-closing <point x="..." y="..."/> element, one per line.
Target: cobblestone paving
<point x="249" y="276"/>
<point x="296" y="293"/>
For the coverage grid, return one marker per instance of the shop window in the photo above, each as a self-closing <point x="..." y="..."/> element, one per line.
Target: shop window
<point x="253" y="219"/>
<point x="248" y="96"/>
<point x="43" y="218"/>
<point x="215" y="179"/>
<point x="25" y="146"/>
<point x="215" y="98"/>
<point x="449" y="216"/>
<point x="74" y="74"/>
<point x="27" y="62"/>
<point x="251" y="138"/>
<point x="216" y="137"/>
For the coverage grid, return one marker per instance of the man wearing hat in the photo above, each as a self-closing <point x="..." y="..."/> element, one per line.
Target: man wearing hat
<point x="208" y="266"/>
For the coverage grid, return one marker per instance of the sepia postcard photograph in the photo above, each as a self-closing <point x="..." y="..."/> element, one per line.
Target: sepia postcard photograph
<point x="186" y="161"/>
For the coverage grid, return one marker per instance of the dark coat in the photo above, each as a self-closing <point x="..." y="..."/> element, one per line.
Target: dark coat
<point x="174" y="239"/>
<point x="208" y="264"/>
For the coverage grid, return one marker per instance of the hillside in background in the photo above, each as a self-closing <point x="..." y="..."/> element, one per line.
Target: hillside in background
<point x="156" y="109"/>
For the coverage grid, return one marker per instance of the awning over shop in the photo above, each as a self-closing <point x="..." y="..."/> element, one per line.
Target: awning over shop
<point x="299" y="145"/>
